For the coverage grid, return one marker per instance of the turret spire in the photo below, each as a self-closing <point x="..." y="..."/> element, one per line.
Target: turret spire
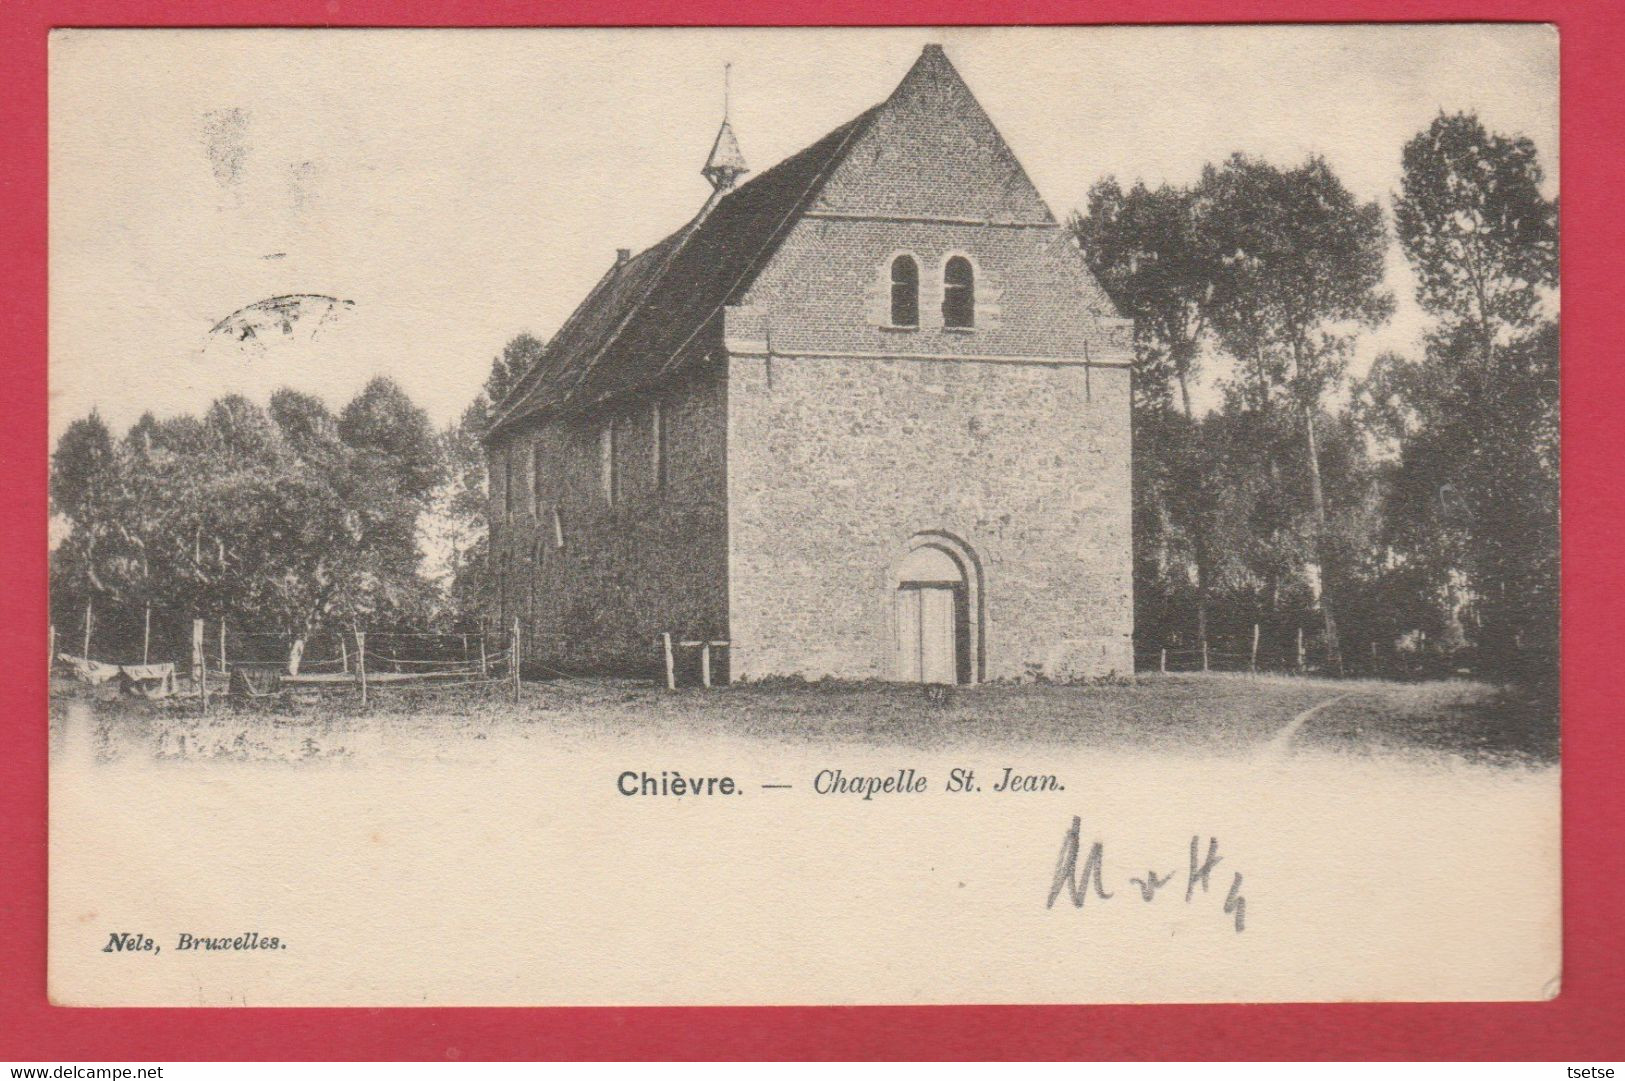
<point x="726" y="164"/>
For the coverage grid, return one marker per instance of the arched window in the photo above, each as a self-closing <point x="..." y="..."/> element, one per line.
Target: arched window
<point x="905" y="292"/>
<point x="958" y="293"/>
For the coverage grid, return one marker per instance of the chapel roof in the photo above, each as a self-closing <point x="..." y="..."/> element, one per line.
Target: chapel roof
<point x="633" y="326"/>
<point x="643" y="321"/>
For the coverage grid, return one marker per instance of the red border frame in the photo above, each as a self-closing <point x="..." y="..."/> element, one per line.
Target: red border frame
<point x="1573" y="1027"/>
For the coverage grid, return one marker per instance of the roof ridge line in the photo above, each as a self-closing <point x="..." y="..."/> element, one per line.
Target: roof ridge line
<point x="609" y="275"/>
<point x="527" y="381"/>
<point x="633" y="310"/>
<point x="685" y="233"/>
<point x="524" y="399"/>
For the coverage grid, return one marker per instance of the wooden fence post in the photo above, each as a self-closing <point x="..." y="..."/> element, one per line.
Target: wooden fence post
<point x="88" y="604"/>
<point x="222" y="644"/>
<point x="200" y="674"/>
<point x="1204" y="654"/>
<point x="515" y="659"/>
<point x="705" y="664"/>
<point x="361" y="663"/>
<point x="1253" y="662"/>
<point x="146" y="634"/>
<point x="1162" y="661"/>
<point x="344" y="655"/>
<point x="485" y="671"/>
<point x="671" y="665"/>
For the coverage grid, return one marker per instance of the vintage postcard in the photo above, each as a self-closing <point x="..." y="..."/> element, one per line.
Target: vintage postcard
<point x="803" y="516"/>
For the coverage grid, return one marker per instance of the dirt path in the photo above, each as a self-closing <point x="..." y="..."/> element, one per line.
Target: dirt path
<point x="1281" y="742"/>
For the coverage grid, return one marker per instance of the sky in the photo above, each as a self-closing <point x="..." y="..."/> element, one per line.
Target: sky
<point x="455" y="187"/>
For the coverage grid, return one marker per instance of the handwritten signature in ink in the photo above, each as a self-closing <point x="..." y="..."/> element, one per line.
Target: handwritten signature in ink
<point x="1080" y="884"/>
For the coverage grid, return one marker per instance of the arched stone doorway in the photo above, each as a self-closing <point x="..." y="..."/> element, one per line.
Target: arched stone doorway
<point x="937" y="612"/>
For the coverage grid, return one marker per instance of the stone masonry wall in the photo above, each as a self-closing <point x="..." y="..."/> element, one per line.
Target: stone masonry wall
<point x="654" y="561"/>
<point x="835" y="464"/>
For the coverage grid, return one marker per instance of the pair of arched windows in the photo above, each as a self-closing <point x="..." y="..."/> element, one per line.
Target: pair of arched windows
<point x="958" y="292"/>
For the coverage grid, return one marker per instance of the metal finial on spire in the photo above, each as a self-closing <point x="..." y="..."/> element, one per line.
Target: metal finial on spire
<point x="726" y="164"/>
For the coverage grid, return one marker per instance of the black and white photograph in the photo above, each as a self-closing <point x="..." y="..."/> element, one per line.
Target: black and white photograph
<point x="804" y="516"/>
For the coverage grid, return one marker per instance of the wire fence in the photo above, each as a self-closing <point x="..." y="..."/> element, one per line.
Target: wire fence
<point x="167" y="654"/>
<point x="1197" y="659"/>
<point x="215" y="660"/>
<point x="1281" y="648"/>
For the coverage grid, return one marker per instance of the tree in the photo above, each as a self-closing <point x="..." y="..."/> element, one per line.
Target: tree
<point x="509" y="367"/>
<point x="152" y="501"/>
<point x="1422" y="535"/>
<point x="349" y="514"/>
<point x="1300" y="266"/>
<point x="84" y="488"/>
<point x="459" y="530"/>
<point x="287" y="517"/>
<point x="1479" y="233"/>
<point x="383" y="425"/>
<point x="1260" y="523"/>
<point x="1145" y="246"/>
<point x="461" y="510"/>
<point x="82" y="469"/>
<point x="1476" y="419"/>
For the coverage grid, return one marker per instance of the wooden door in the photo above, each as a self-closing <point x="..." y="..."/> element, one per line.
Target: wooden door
<point x="908" y="634"/>
<point x="928" y="633"/>
<point x="938" y="644"/>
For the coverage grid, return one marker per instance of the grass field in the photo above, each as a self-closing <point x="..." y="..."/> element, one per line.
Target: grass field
<point x="1214" y="714"/>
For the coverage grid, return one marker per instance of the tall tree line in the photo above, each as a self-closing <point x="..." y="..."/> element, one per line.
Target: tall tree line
<point x="283" y="519"/>
<point x="1417" y="503"/>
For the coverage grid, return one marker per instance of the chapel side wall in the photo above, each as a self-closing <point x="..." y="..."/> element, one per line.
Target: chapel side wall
<point x="654" y="561"/>
<point x="835" y="463"/>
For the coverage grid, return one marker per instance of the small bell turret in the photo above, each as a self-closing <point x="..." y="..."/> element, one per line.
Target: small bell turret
<point x="726" y="164"/>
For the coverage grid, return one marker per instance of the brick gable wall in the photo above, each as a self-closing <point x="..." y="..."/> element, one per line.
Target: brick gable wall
<point x="931" y="151"/>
